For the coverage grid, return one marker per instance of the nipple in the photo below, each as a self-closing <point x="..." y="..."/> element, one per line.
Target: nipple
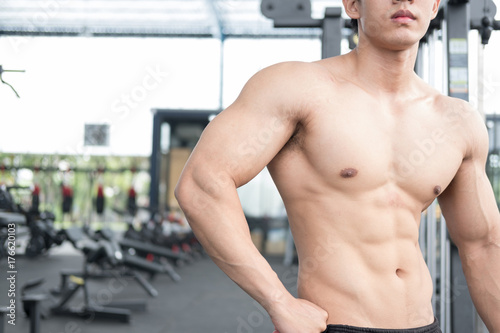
<point x="437" y="190"/>
<point x="348" y="173"/>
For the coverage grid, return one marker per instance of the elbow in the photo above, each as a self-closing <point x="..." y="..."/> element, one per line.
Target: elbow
<point x="488" y="239"/>
<point x="193" y="195"/>
<point x="494" y="236"/>
<point x="198" y="192"/>
<point x="182" y="192"/>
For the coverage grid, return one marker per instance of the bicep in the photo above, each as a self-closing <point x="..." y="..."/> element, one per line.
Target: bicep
<point x="240" y="143"/>
<point x="245" y="137"/>
<point x="468" y="204"/>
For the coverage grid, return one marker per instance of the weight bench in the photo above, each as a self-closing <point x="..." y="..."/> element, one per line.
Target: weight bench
<point x="143" y="249"/>
<point x="103" y="260"/>
<point x="110" y="261"/>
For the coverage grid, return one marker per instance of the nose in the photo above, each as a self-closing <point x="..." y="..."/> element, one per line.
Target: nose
<point x="397" y="1"/>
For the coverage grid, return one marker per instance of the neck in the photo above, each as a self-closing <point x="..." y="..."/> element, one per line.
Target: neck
<point x="388" y="71"/>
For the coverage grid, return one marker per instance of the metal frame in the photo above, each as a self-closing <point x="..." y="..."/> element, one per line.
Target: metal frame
<point x="297" y="14"/>
<point x="152" y="18"/>
<point x="173" y="117"/>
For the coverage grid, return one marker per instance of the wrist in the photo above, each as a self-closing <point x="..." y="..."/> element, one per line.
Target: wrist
<point x="277" y="302"/>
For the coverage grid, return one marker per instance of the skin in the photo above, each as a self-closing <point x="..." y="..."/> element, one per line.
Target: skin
<point x="358" y="146"/>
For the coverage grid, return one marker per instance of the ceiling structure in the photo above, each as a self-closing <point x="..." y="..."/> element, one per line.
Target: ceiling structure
<point x="148" y="18"/>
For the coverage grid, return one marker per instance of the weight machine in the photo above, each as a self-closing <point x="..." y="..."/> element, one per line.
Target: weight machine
<point x="451" y="300"/>
<point x="8" y="84"/>
<point x="175" y="132"/>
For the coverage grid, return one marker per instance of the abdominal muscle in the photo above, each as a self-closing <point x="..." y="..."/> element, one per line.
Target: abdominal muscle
<point x="362" y="264"/>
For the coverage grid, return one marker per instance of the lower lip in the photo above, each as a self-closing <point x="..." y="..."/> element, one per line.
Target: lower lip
<point x="403" y="19"/>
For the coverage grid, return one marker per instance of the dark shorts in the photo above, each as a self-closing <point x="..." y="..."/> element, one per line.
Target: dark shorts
<point x="432" y="328"/>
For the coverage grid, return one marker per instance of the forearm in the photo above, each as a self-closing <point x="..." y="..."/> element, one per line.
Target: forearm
<point x="218" y="222"/>
<point x="482" y="271"/>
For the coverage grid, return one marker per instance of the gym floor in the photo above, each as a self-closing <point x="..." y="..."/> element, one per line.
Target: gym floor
<point x="205" y="300"/>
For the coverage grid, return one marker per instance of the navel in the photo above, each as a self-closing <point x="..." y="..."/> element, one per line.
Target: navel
<point x="348" y="173"/>
<point x="437" y="190"/>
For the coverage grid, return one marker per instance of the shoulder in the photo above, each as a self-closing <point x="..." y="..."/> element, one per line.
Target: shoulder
<point x="454" y="108"/>
<point x="287" y="85"/>
<point x="297" y="76"/>
<point x="460" y="113"/>
<point x="291" y="73"/>
<point x="466" y="123"/>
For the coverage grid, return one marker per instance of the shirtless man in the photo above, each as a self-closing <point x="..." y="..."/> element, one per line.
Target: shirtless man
<point x="358" y="146"/>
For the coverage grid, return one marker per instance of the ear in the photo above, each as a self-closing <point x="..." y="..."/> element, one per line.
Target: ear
<point x="435" y="8"/>
<point x="351" y="8"/>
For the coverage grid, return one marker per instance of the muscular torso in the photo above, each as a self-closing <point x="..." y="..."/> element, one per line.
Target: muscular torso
<point x="355" y="177"/>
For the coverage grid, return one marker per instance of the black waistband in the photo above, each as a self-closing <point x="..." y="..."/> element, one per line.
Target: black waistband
<point x="432" y="328"/>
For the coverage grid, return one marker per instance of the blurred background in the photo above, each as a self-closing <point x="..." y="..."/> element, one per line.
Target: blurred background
<point x="96" y="71"/>
<point x="102" y="102"/>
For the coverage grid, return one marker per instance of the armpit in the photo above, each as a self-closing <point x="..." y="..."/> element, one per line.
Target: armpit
<point x="296" y="141"/>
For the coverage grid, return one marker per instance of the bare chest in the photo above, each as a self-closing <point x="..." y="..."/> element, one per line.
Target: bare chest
<point x="360" y="149"/>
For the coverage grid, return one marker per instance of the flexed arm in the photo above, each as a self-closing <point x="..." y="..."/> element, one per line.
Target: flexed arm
<point x="233" y="149"/>
<point x="473" y="221"/>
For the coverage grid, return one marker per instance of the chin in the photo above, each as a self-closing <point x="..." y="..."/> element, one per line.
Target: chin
<point x="396" y="39"/>
<point x="402" y="45"/>
<point x="404" y="40"/>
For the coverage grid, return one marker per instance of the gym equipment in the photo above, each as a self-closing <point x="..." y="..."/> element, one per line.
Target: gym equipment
<point x="32" y="305"/>
<point x="35" y="199"/>
<point x="10" y="215"/>
<point x="147" y="241"/>
<point x="42" y="305"/>
<point x="67" y="194"/>
<point x="131" y="202"/>
<point x="131" y="206"/>
<point x="7" y="219"/>
<point x="168" y="234"/>
<point x="177" y="121"/>
<point x="297" y="14"/>
<point x="150" y="252"/>
<point x="2" y="80"/>
<point x="42" y="235"/>
<point x="3" y="312"/>
<point x="103" y="260"/>
<point x="99" y="201"/>
<point x="7" y="202"/>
